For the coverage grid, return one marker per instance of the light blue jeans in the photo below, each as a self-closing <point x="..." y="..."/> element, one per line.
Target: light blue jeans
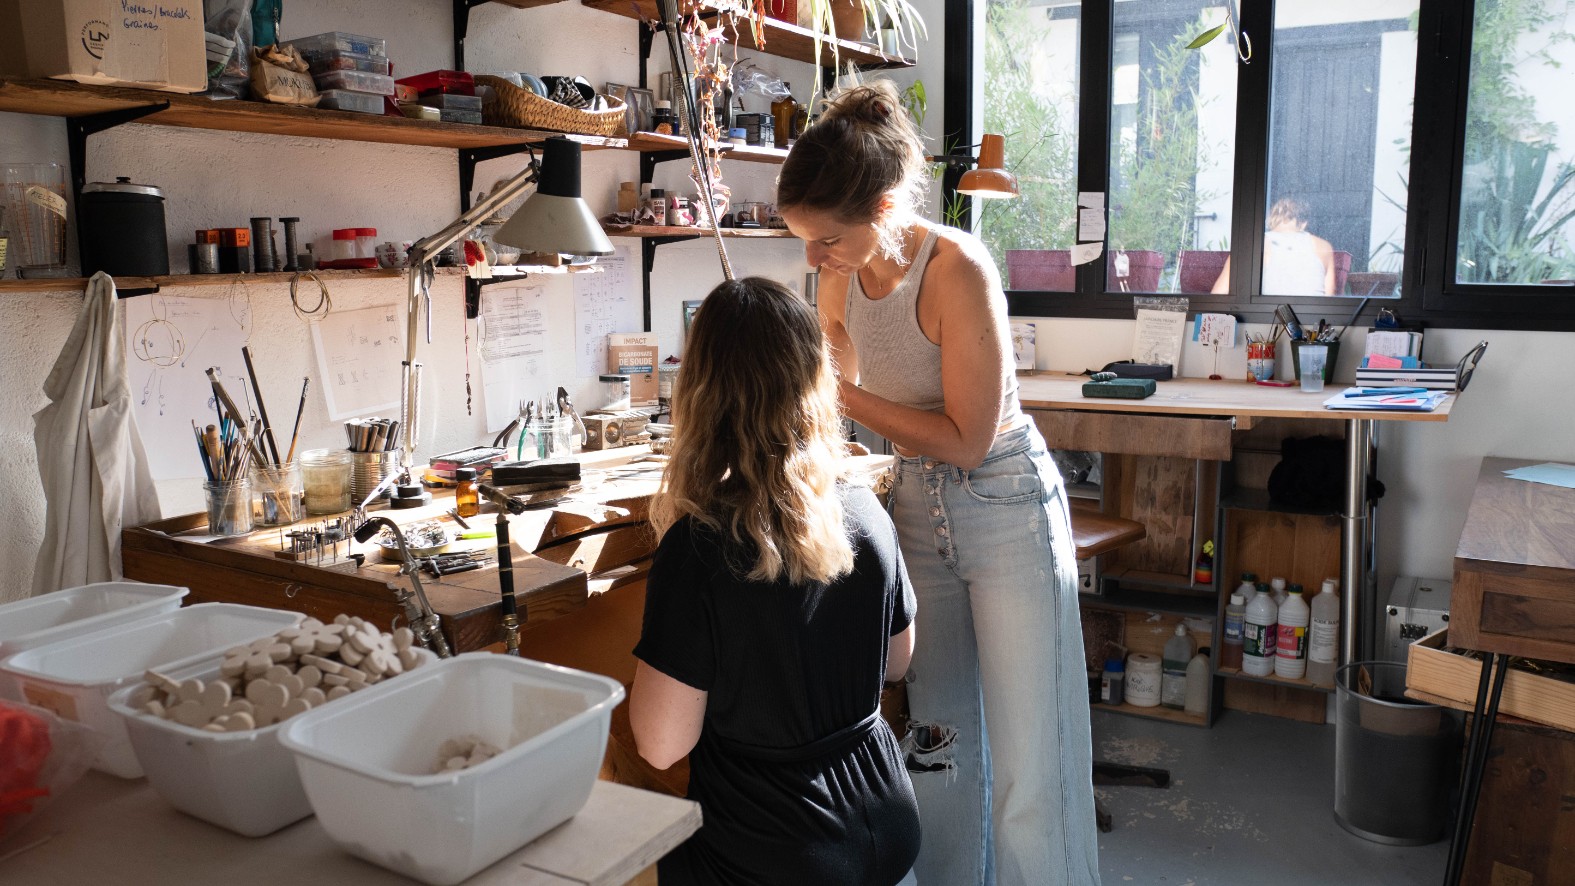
<point x="999" y="644"/>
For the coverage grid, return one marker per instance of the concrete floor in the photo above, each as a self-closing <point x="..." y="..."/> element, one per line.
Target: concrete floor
<point x="1251" y="801"/>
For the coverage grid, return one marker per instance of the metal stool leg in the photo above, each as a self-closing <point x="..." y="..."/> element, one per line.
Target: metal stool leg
<point x="1484" y="713"/>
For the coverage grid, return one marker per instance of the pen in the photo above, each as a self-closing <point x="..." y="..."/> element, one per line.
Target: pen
<point x="1377" y="392"/>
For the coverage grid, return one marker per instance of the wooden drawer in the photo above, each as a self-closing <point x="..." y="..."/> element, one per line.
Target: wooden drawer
<point x="1135" y="433"/>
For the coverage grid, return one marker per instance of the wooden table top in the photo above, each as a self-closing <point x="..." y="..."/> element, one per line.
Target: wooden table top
<point x="110" y="830"/>
<point x="1200" y="396"/>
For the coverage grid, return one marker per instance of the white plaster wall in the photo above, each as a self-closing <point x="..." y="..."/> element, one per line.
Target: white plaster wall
<point x="216" y="179"/>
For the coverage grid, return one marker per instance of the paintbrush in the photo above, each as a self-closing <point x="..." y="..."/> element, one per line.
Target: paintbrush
<point x="267" y="432"/>
<point x="295" y="436"/>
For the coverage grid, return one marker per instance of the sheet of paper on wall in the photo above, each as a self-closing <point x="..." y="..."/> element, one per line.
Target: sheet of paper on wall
<point x="1157" y="338"/>
<point x="360" y="358"/>
<point x="1393" y="343"/>
<point x="1091" y="199"/>
<point x="171" y="341"/>
<point x="1083" y="253"/>
<point x="604" y="303"/>
<point x="1214" y="330"/>
<point x="1091" y="224"/>
<point x="512" y="329"/>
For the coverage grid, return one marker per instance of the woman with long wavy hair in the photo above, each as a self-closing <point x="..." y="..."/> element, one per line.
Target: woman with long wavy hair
<point x="776" y="606"/>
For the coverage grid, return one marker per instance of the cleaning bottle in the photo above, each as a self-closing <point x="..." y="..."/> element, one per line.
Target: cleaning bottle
<point x="1323" y="637"/>
<point x="1277" y="588"/>
<point x="1111" y="682"/>
<point x="1173" y="673"/>
<point x="1257" y="634"/>
<point x="1198" y="678"/>
<point x="1230" y="656"/>
<point x="1290" y="646"/>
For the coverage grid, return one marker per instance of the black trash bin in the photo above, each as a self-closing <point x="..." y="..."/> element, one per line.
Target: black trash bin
<point x="1396" y="760"/>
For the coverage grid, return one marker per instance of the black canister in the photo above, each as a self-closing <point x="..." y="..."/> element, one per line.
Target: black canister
<point x="123" y="230"/>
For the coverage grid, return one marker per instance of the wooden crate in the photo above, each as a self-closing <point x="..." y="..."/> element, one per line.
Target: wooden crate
<point x="1524" y="834"/>
<point x="1442" y="677"/>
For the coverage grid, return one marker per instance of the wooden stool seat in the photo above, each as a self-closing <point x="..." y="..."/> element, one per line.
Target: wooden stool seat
<point x="1095" y="533"/>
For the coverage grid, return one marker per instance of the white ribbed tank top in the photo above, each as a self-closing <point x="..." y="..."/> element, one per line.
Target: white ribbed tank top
<point x="896" y="361"/>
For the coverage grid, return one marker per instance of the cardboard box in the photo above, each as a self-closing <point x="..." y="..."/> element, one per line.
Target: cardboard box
<point x="1444" y="678"/>
<point x="153" y="44"/>
<point x="634" y="354"/>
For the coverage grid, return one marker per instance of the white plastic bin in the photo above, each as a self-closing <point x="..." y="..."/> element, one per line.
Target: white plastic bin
<point x="366" y="762"/>
<point x="75" y="677"/>
<point x="244" y="782"/>
<point x="36" y="621"/>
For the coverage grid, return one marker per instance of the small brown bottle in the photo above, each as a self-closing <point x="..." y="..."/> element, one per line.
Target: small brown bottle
<point x="628" y="198"/>
<point x="467" y="501"/>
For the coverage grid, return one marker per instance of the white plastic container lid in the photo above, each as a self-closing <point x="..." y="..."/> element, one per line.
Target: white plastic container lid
<point x="37" y="621"/>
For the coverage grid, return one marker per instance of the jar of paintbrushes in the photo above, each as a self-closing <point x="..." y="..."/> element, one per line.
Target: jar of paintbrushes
<point x="278" y="494"/>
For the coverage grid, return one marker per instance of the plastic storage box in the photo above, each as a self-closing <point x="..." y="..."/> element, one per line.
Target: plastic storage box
<point x="334" y="60"/>
<point x="75" y="677"/>
<point x="449" y="101"/>
<point x="456" y="82"/>
<point x="244" y="782"/>
<point x="460" y="117"/>
<point x="341" y="41"/>
<point x="367" y="762"/>
<point x="66" y="613"/>
<point x="358" y="81"/>
<point x="347" y="100"/>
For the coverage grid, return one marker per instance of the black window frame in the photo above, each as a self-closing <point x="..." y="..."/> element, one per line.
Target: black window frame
<point x="1429" y="295"/>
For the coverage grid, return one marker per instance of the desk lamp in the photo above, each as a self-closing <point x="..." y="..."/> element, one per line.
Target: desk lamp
<point x="554" y="219"/>
<point x="990" y="178"/>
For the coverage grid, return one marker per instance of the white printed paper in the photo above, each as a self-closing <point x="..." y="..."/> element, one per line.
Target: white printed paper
<point x="1091" y="224"/>
<point x="1214" y="330"/>
<point x="360" y="359"/>
<point x="604" y="303"/>
<point x="171" y="342"/>
<point x="1158" y="336"/>
<point x="1083" y="253"/>
<point x="1389" y="344"/>
<point x="513" y="333"/>
<point x="1024" y="346"/>
<point x="1091" y="199"/>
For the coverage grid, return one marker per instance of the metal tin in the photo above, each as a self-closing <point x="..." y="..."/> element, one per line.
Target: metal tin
<point x="205" y="258"/>
<point x="123" y="229"/>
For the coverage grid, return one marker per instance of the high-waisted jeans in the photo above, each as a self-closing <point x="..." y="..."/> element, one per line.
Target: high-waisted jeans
<point x="998" y="683"/>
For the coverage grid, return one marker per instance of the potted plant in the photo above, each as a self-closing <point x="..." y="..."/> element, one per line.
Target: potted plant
<point x="831" y="20"/>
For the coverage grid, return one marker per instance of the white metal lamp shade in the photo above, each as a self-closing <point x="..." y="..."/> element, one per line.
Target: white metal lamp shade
<point x="555" y="219"/>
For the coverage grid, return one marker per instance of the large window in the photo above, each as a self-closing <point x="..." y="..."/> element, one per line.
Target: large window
<point x="1359" y="140"/>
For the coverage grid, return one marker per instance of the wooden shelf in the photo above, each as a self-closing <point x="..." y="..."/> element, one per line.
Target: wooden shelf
<point x="651" y="142"/>
<point x="63" y="98"/>
<point x="673" y="231"/>
<point x="77" y="284"/>
<point x="1181" y="604"/>
<point x="1246" y="499"/>
<point x="782" y="39"/>
<point x="1158" y="712"/>
<point x="1157" y="579"/>
<point x="1238" y="674"/>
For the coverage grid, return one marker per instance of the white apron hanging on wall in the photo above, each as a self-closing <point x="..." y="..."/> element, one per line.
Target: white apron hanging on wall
<point x="90" y="456"/>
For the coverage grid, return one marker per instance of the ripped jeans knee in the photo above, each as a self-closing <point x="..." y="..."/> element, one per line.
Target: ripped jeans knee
<point x="930" y="747"/>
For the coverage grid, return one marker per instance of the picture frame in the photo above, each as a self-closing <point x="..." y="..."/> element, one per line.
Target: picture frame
<point x="639" y="106"/>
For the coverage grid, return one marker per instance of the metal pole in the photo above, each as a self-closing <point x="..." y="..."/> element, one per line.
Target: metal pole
<point x="1354" y="524"/>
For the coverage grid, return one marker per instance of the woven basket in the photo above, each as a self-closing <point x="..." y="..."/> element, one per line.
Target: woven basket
<point x="509" y="105"/>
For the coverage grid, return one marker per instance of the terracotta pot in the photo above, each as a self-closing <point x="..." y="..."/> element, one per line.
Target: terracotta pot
<point x="847" y="16"/>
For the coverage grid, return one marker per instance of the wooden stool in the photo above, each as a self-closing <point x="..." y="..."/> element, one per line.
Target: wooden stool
<point x="1093" y="533"/>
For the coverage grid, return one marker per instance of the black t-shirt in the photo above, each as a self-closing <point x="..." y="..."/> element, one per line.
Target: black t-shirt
<point x="792" y="790"/>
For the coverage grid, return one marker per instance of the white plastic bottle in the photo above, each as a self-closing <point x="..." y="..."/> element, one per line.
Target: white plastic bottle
<point x="1248" y="586"/>
<point x="1173" y="675"/>
<point x="1257" y="634"/>
<point x="1235" y="614"/>
<point x="1277" y="588"/>
<point x="1323" y="637"/>
<point x="1290" y="646"/>
<point x="1198" y="678"/>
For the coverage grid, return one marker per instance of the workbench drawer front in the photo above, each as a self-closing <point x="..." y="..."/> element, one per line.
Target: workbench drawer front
<point x="1135" y="433"/>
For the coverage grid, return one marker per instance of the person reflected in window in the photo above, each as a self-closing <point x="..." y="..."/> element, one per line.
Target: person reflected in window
<point x="777" y="604"/>
<point x="1295" y="261"/>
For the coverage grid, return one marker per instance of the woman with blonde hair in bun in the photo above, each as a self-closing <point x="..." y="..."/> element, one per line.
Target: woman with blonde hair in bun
<point x="998" y="743"/>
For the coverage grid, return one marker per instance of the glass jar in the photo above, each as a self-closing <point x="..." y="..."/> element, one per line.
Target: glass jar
<point x="229" y="506"/>
<point x="278" y="494"/>
<point x="326" y="476"/>
<point x="467" y="499"/>
<point x="615" y="392"/>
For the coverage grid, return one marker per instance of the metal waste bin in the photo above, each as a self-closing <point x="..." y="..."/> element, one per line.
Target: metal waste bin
<point x="1395" y="761"/>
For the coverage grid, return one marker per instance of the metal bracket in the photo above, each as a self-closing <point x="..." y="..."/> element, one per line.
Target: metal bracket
<point x="648" y="261"/>
<point x="473" y="291"/>
<point x="469" y="157"/>
<point x="77" y="131"/>
<point x="647" y="40"/>
<point x="462" y="10"/>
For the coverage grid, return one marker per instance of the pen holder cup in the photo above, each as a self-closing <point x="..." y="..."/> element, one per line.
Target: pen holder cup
<point x="367" y="470"/>
<point x="1328" y="364"/>
<point x="229" y="507"/>
<point x="278" y="494"/>
<point x="1260" y="361"/>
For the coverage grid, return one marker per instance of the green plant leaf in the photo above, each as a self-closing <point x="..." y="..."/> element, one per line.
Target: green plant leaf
<point x="1204" y="38"/>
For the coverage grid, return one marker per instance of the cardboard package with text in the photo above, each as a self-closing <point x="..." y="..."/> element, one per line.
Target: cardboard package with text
<point x="154" y="44"/>
<point x="634" y="354"/>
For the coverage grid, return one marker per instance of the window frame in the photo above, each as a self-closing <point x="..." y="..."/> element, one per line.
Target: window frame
<point x="1428" y="293"/>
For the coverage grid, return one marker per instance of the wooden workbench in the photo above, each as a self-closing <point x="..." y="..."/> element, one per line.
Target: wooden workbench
<point x="112" y="831"/>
